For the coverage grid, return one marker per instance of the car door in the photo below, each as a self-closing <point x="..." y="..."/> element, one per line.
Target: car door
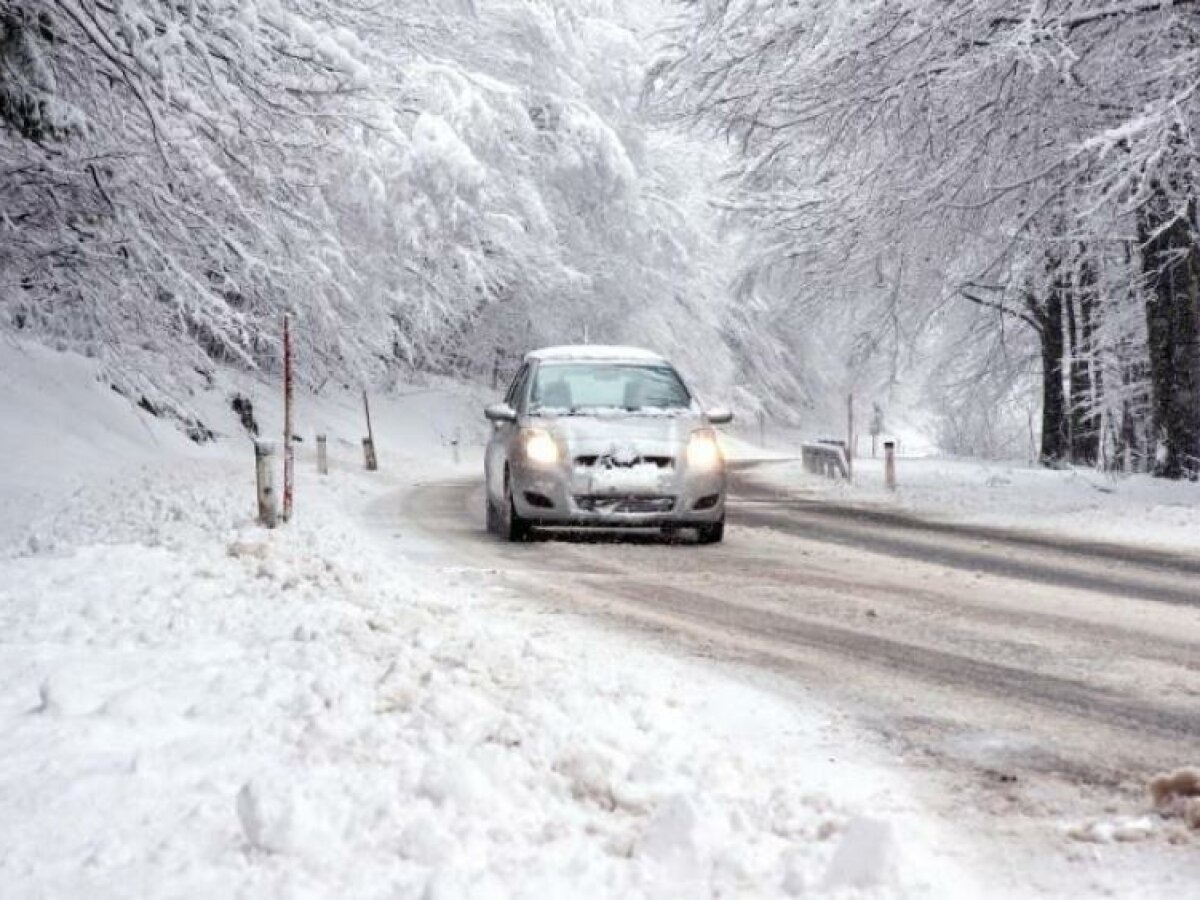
<point x="503" y="436"/>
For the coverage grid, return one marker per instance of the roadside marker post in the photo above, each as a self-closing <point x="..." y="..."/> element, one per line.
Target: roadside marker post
<point x="889" y="465"/>
<point x="851" y="438"/>
<point x="369" y="458"/>
<point x="322" y="455"/>
<point x="264" y="456"/>
<point x="289" y="450"/>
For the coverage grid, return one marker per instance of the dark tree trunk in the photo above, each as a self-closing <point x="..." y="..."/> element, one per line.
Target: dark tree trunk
<point x="1049" y="314"/>
<point x="1084" y="419"/>
<point x="1126" y="439"/>
<point x="1171" y="263"/>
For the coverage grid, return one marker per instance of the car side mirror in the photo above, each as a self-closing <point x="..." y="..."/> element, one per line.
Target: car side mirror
<point x="719" y="415"/>
<point x="500" y="412"/>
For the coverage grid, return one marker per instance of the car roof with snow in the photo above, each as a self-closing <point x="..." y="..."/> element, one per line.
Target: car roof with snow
<point x="594" y="353"/>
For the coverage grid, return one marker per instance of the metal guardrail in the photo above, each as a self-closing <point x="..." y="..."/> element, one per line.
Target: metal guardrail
<point x="826" y="458"/>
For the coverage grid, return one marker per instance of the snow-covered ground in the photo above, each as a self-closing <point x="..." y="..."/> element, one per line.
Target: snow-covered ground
<point x="1081" y="504"/>
<point x="191" y="705"/>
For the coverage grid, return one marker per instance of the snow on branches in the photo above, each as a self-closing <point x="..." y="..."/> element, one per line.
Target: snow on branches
<point x="416" y="183"/>
<point x="1027" y="158"/>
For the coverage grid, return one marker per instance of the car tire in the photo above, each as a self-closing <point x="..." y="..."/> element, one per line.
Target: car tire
<point x="712" y="533"/>
<point x="518" y="529"/>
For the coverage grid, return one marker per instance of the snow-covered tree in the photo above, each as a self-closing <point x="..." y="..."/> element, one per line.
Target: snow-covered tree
<point x="420" y="185"/>
<point x="1033" y="159"/>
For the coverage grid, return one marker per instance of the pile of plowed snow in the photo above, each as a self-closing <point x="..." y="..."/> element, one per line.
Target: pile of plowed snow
<point x="191" y="705"/>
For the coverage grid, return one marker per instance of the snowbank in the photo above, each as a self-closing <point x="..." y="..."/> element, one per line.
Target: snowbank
<point x="195" y="706"/>
<point x="62" y="429"/>
<point x="1077" y="503"/>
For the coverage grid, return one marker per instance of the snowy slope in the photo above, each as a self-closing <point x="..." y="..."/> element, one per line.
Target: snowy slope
<point x="192" y="705"/>
<point x="48" y="451"/>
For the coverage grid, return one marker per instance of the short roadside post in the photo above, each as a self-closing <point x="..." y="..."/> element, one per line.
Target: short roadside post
<point x="322" y="455"/>
<point x="289" y="448"/>
<point x="369" y="458"/>
<point x="889" y="465"/>
<point x="851" y="438"/>
<point x="264" y="455"/>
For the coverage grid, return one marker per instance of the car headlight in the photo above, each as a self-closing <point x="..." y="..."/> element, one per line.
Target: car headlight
<point x="703" y="451"/>
<point x="540" y="447"/>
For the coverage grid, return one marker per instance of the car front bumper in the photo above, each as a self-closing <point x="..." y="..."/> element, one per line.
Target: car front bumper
<point x="582" y="497"/>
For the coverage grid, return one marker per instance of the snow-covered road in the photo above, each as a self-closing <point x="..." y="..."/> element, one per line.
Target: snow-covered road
<point x="192" y="705"/>
<point x="379" y="699"/>
<point x="1037" y="688"/>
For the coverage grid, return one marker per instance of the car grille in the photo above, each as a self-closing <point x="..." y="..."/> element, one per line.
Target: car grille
<point x="590" y="460"/>
<point x="630" y="503"/>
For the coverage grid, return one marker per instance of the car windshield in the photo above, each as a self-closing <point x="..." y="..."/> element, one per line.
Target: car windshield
<point x="579" y="388"/>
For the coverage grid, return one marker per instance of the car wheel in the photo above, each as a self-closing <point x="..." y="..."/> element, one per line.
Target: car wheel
<point x="519" y="529"/>
<point x="713" y="533"/>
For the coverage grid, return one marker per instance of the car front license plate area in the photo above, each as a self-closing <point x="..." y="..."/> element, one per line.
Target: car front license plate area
<point x="643" y="479"/>
<point x="609" y="504"/>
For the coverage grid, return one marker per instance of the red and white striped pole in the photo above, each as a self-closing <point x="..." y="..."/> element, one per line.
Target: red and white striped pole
<point x="289" y="452"/>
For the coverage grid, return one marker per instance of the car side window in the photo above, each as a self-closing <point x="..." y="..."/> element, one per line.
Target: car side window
<point x="517" y="388"/>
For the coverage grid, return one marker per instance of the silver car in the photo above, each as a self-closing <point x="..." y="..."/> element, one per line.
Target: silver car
<point x="603" y="436"/>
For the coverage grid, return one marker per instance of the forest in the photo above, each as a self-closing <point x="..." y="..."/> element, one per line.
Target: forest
<point x="979" y="215"/>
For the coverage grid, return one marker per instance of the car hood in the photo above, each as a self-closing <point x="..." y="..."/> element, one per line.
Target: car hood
<point x="621" y="435"/>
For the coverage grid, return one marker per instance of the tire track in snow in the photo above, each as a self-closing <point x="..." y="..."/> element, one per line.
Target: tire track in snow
<point x="727" y="600"/>
<point x="1112" y="570"/>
